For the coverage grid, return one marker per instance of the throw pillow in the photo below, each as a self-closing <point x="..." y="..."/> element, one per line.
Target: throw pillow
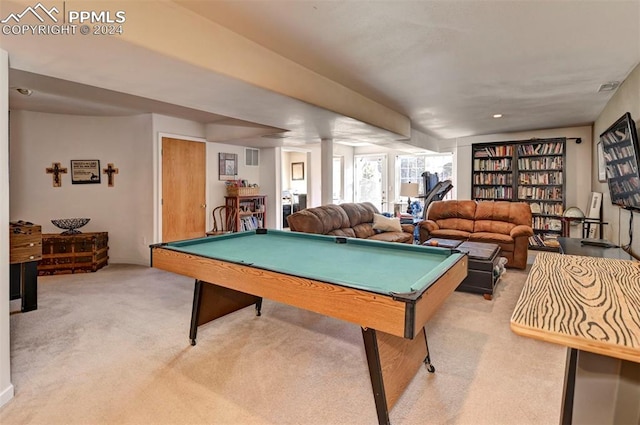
<point x="385" y="224"/>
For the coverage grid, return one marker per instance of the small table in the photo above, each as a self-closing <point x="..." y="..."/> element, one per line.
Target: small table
<point x="483" y="259"/>
<point x="391" y="299"/>
<point x="590" y="306"/>
<point x="574" y="246"/>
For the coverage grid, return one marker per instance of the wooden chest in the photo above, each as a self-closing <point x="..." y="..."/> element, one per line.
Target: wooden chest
<point x="25" y="242"/>
<point x="83" y="252"/>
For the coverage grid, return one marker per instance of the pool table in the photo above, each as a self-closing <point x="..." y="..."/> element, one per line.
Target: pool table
<point x="389" y="289"/>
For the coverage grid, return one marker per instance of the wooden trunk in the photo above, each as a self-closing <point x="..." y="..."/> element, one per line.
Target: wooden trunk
<point x="83" y="252"/>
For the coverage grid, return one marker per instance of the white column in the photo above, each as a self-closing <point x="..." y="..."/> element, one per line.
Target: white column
<point x="326" y="146"/>
<point x="6" y="388"/>
<point x="271" y="184"/>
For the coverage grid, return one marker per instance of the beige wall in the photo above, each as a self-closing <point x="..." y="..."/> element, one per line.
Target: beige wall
<point x="125" y="210"/>
<point x="626" y="99"/>
<point x="129" y="211"/>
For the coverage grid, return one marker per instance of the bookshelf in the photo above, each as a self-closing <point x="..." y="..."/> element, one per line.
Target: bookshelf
<point x="493" y="172"/>
<point x="250" y="211"/>
<point x="530" y="171"/>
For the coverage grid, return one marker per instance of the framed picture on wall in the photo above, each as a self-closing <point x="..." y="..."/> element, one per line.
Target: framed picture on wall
<point x="297" y="171"/>
<point x="85" y="171"/>
<point x="227" y="166"/>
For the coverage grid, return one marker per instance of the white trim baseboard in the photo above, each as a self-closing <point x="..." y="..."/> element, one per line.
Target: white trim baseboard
<point x="6" y="395"/>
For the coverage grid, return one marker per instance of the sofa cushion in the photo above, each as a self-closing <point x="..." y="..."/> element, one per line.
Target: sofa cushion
<point x="359" y="213"/>
<point x="450" y="234"/>
<point x="501" y="216"/>
<point x="347" y="232"/>
<point x="403" y="237"/>
<point x="386" y="224"/>
<point x="491" y="237"/>
<point x="324" y="220"/>
<point x="458" y="215"/>
<point x="363" y="230"/>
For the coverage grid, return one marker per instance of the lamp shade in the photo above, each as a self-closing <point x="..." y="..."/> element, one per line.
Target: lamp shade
<point x="409" y="189"/>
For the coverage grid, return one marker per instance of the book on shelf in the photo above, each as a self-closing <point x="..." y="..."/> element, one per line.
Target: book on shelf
<point x="544" y="241"/>
<point x="536" y="240"/>
<point x="249" y="223"/>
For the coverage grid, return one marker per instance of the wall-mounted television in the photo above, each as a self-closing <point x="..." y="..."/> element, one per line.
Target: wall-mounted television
<point x="621" y="150"/>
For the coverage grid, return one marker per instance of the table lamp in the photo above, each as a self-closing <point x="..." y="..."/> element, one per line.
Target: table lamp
<point x="409" y="190"/>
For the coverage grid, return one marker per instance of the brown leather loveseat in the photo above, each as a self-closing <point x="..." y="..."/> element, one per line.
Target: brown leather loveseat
<point x="353" y="220"/>
<point x="507" y="224"/>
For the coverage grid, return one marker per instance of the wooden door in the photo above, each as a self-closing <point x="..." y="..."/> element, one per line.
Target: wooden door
<point x="183" y="189"/>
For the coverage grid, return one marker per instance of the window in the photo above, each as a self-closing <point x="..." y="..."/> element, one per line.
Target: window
<point x="410" y="169"/>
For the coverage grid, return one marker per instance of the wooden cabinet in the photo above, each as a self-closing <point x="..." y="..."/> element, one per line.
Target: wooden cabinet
<point x="250" y="211"/>
<point x="529" y="171"/>
<point x="82" y="252"/>
<point x="25" y="242"/>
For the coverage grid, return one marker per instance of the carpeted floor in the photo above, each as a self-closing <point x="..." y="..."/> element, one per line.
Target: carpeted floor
<point x="112" y="347"/>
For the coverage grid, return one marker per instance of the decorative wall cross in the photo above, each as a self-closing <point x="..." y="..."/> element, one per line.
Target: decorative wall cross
<point x="56" y="170"/>
<point x="110" y="171"/>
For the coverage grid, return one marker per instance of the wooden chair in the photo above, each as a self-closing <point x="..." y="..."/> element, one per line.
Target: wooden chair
<point x="224" y="219"/>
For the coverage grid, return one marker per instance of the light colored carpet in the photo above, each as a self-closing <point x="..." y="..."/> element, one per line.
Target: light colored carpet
<point x="112" y="347"/>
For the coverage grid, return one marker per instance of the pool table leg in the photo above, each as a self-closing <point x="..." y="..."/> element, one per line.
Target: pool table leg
<point x="211" y="301"/>
<point x="427" y="358"/>
<point x="393" y="362"/>
<point x="259" y="307"/>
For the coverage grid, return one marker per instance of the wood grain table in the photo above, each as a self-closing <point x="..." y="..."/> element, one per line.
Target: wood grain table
<point x="592" y="306"/>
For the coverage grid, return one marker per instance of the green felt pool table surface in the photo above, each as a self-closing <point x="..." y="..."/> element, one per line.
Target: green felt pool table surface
<point x="387" y="268"/>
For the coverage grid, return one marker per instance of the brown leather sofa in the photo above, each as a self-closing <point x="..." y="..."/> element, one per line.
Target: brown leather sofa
<point x="507" y="224"/>
<point x="353" y="220"/>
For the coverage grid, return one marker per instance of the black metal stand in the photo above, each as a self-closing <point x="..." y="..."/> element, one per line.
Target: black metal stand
<point x="566" y="414"/>
<point x="23" y="283"/>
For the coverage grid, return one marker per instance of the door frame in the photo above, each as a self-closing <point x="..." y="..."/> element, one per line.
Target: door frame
<point x="157" y="185"/>
<point x="385" y="178"/>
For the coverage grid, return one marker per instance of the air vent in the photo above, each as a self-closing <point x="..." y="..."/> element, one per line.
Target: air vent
<point x="252" y="157"/>
<point x="610" y="86"/>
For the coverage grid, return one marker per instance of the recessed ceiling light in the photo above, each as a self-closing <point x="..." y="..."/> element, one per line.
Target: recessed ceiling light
<point x="497" y="115"/>
<point x="26" y="92"/>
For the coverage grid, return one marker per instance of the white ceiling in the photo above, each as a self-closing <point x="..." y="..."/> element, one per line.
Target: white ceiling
<point x="446" y="65"/>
